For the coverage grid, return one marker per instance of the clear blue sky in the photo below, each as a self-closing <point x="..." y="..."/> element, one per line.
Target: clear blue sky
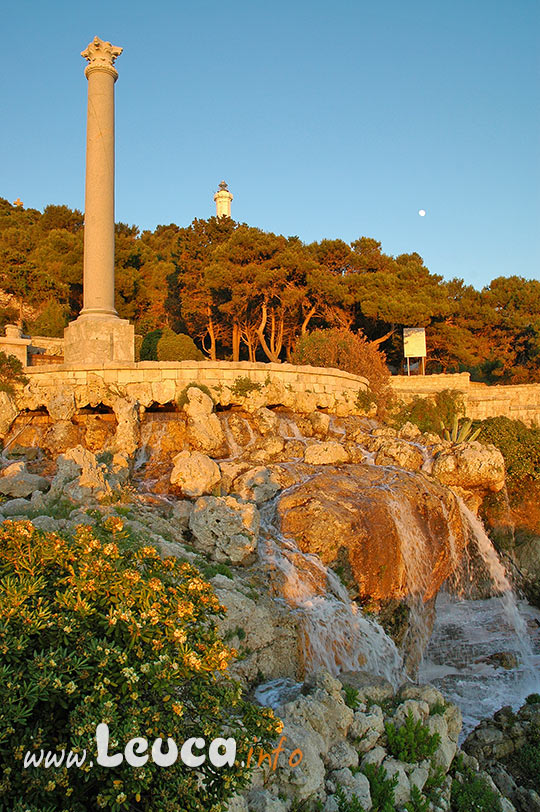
<point x="327" y="119"/>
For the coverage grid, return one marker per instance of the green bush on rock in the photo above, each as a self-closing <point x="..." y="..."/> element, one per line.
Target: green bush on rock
<point x="98" y="628"/>
<point x="412" y="741"/>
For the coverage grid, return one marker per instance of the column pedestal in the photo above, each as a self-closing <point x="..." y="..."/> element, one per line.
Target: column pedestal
<point x="97" y="340"/>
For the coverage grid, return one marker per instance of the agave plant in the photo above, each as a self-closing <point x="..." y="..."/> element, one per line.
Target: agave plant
<point x="461" y="433"/>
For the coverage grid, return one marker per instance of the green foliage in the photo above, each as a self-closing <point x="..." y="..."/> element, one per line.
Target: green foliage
<point x="99" y="628"/>
<point x="149" y="345"/>
<point x="11" y="373"/>
<point x="519" y="445"/>
<point x="533" y="699"/>
<point x="351" y="352"/>
<point x="432" y="787"/>
<point x="437" y="709"/>
<point x="412" y="741"/>
<point x="183" y="399"/>
<point x="472" y="793"/>
<point x="243" y="386"/>
<point x="365" y="400"/>
<point x="461" y="432"/>
<point x="418" y="802"/>
<point x="51" y="321"/>
<point x="177" y="347"/>
<point x="381" y="788"/>
<point x="529" y="757"/>
<point x="344" y="805"/>
<point x="432" y="415"/>
<point x="209" y="570"/>
<point x="351" y="696"/>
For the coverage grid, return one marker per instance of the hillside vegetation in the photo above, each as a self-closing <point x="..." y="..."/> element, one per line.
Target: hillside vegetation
<point x="242" y="293"/>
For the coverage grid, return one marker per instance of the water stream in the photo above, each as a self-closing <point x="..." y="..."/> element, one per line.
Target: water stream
<point x="335" y="634"/>
<point x="483" y="653"/>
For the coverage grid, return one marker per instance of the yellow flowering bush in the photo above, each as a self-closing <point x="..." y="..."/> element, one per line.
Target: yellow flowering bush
<point x="98" y="629"/>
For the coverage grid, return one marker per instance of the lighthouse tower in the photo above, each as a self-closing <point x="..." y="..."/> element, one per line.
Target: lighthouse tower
<point x="223" y="200"/>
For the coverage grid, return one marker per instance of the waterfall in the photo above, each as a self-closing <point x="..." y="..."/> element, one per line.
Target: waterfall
<point x="473" y="638"/>
<point x="335" y="634"/>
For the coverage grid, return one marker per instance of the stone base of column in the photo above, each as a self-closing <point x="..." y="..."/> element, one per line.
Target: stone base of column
<point x="99" y="340"/>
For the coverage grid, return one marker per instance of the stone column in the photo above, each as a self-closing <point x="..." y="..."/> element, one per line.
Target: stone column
<point x="98" y="336"/>
<point x="223" y="200"/>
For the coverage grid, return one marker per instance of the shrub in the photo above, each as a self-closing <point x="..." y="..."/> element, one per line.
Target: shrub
<point x="381" y="788"/>
<point x="177" y="347"/>
<point x="348" y="351"/>
<point x="149" y="345"/>
<point x="412" y="741"/>
<point x="11" y="373"/>
<point x="351" y="696"/>
<point x="243" y="386"/>
<point x="182" y="398"/>
<point x="472" y="793"/>
<point x="418" y="802"/>
<point x="97" y="628"/>
<point x="432" y="415"/>
<point x="51" y="321"/>
<point x="519" y="445"/>
<point x="345" y="805"/>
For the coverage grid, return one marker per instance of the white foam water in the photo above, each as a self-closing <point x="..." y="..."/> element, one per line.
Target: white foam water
<point x="335" y="634"/>
<point x="468" y="633"/>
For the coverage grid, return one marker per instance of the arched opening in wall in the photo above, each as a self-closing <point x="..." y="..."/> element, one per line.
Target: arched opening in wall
<point x="171" y="407"/>
<point x="26" y="433"/>
<point x="96" y="427"/>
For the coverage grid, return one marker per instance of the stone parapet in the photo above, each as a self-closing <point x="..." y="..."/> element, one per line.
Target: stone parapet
<point x="150" y="382"/>
<point x="519" y="402"/>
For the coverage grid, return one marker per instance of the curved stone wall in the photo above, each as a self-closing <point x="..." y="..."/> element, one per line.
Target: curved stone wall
<point x="62" y="389"/>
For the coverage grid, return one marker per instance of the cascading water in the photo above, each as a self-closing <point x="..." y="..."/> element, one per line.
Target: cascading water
<point x="473" y="639"/>
<point x="335" y="634"/>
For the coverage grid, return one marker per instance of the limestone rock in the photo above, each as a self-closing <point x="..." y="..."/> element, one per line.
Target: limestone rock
<point x="260" y="800"/>
<point x="79" y="476"/>
<point x="195" y="473"/>
<point x="198" y="404"/>
<point x="256" y="485"/>
<point x="204" y="430"/>
<point x="320" y="423"/>
<point x="341" y="754"/>
<point x="16" y="507"/>
<point x="265" y="421"/>
<point x="268" y="632"/>
<point x="396" y="533"/>
<point x="409" y="431"/>
<point x="470" y="465"/>
<point x="16" y="481"/>
<point x="8" y="413"/>
<point x="444" y="754"/>
<point x="402" y="791"/>
<point x="326" y="453"/>
<point x="237" y="804"/>
<point x="127" y="437"/>
<point x="400" y="453"/>
<point x="181" y="513"/>
<point x="224" y="529"/>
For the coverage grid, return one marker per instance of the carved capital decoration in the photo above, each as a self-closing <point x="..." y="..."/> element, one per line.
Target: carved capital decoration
<point x="101" y="56"/>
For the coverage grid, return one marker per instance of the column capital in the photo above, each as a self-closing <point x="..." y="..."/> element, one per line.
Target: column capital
<point x="101" y="56"/>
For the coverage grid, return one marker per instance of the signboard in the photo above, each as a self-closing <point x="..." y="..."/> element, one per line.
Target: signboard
<point x="414" y="342"/>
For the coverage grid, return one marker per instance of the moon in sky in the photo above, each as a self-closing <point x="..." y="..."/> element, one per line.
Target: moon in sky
<point x="422" y="213"/>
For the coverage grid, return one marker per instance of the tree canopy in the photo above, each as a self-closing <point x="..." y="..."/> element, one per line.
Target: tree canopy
<point x="243" y="293"/>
